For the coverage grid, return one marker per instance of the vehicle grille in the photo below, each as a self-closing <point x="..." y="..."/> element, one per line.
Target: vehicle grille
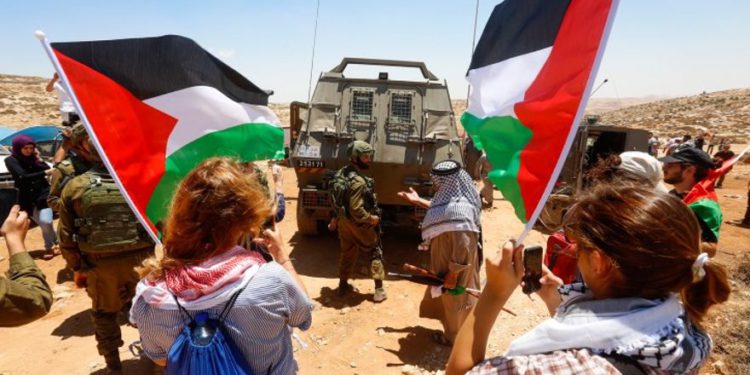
<point x="315" y="199"/>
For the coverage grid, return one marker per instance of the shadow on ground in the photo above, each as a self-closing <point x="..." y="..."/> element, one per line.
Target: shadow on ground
<point x="318" y="256"/>
<point x="80" y="325"/>
<point x="412" y="348"/>
<point x="139" y="366"/>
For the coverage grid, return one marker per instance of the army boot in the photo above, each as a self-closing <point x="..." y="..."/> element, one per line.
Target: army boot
<point x="113" y="362"/>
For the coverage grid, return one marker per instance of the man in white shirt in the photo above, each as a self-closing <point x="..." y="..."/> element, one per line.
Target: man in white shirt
<point x="67" y="110"/>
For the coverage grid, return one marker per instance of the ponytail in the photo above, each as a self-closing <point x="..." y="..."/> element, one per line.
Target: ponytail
<point x="712" y="289"/>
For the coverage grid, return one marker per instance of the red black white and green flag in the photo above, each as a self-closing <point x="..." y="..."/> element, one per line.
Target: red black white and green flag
<point x="704" y="201"/>
<point x="530" y="78"/>
<point x="157" y="107"/>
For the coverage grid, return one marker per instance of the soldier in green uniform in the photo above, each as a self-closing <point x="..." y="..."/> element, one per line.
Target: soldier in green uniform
<point x="102" y="242"/>
<point x="357" y="219"/>
<point x="73" y="165"/>
<point x="25" y="295"/>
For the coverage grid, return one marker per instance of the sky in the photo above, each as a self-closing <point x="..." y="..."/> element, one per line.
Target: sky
<point x="656" y="47"/>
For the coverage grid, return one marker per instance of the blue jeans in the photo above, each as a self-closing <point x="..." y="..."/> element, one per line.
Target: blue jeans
<point x="44" y="218"/>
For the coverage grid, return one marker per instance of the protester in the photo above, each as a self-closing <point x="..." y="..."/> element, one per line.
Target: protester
<point x="29" y="174"/>
<point x="451" y="230"/>
<point x="488" y="189"/>
<point x="202" y="268"/>
<point x="720" y="157"/>
<point x="745" y="221"/>
<point x="25" y="295"/>
<point x="67" y="110"/>
<point x="630" y="166"/>
<point x="653" y="145"/>
<point x="684" y="169"/>
<point x="646" y="289"/>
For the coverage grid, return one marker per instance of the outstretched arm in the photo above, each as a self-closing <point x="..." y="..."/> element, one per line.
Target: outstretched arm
<point x="504" y="274"/>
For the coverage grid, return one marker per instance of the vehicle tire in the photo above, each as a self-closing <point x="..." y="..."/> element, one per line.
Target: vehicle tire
<point x="306" y="225"/>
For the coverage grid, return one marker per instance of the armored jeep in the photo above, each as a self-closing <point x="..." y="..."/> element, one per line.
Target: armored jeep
<point x="410" y="124"/>
<point x="593" y="141"/>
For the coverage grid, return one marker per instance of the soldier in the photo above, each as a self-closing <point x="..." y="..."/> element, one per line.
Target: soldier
<point x="102" y="242"/>
<point x="357" y="218"/>
<point x="75" y="164"/>
<point x="25" y="295"/>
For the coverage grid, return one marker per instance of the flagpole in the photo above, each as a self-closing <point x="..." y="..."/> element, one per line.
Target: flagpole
<point x="89" y="129"/>
<point x="574" y="130"/>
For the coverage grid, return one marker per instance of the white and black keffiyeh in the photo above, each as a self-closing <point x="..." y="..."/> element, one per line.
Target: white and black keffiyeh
<point x="455" y="206"/>
<point x="654" y="332"/>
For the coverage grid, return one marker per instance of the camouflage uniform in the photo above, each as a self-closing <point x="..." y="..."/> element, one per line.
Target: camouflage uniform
<point x="25" y="295"/>
<point x="63" y="172"/>
<point x="356" y="234"/>
<point x="111" y="278"/>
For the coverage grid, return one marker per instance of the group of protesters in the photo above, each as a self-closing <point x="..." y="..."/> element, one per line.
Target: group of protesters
<point x="646" y="273"/>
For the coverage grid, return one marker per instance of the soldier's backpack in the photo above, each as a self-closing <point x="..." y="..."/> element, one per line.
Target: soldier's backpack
<point x="338" y="189"/>
<point x="106" y="223"/>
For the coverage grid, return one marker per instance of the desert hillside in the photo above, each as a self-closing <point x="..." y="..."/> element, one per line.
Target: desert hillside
<point x="24" y="102"/>
<point x="724" y="113"/>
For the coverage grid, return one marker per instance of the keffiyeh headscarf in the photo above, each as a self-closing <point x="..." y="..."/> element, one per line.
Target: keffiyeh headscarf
<point x="654" y="332"/>
<point x="456" y="204"/>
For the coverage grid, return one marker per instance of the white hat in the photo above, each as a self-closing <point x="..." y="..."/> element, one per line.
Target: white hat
<point x="644" y="165"/>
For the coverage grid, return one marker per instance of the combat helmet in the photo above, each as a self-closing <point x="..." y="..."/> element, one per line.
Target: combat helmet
<point x="359" y="148"/>
<point x="77" y="135"/>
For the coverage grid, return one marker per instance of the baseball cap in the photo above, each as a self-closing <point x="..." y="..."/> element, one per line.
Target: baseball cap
<point x="690" y="155"/>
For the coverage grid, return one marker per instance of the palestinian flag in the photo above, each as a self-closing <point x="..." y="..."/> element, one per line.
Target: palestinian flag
<point x="530" y="76"/>
<point x="160" y="106"/>
<point x="702" y="198"/>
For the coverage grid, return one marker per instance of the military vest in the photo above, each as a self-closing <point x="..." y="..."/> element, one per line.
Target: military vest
<point x="106" y="224"/>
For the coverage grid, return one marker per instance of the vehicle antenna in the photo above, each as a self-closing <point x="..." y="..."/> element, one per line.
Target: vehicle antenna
<point x="598" y="87"/>
<point x="312" y="59"/>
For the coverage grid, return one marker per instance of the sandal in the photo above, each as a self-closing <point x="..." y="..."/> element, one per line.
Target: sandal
<point x="51" y="252"/>
<point x="440" y="338"/>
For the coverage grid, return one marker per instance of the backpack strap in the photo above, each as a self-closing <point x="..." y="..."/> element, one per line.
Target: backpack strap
<point x="182" y="309"/>
<point x="230" y="304"/>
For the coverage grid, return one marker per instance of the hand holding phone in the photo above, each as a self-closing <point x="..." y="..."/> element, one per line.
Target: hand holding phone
<point x="532" y="269"/>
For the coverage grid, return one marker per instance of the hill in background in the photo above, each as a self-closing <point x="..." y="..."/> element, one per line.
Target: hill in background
<point x="24" y="102"/>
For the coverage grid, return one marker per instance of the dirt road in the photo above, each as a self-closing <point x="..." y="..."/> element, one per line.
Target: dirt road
<point x="348" y="336"/>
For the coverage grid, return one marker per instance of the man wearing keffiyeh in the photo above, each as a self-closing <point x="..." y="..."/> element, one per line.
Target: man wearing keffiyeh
<point x="451" y="229"/>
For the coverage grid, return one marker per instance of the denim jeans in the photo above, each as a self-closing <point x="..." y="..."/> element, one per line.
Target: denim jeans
<point x="44" y="218"/>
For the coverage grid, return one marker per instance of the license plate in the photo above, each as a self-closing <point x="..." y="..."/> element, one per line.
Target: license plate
<point x="304" y="163"/>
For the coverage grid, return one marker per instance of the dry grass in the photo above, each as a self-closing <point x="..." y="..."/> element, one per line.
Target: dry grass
<point x="730" y="324"/>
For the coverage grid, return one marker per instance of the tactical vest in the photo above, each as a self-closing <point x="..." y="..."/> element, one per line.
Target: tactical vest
<point x="106" y="223"/>
<point x="339" y="188"/>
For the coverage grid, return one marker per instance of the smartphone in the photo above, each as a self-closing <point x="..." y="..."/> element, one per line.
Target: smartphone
<point x="532" y="269"/>
<point x="8" y="197"/>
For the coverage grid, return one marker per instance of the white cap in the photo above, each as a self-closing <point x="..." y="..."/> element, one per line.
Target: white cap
<point x="644" y="165"/>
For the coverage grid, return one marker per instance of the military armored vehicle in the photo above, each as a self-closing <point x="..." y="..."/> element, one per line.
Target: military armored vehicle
<point x="593" y="141"/>
<point x="410" y="124"/>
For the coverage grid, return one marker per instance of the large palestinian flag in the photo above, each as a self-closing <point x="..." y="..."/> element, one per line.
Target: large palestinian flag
<point x="159" y="106"/>
<point x="530" y="77"/>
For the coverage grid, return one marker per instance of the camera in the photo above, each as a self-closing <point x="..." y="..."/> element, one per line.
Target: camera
<point x="532" y="269"/>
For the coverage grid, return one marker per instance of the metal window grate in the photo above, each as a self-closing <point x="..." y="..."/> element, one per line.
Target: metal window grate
<point x="362" y="105"/>
<point x="401" y="108"/>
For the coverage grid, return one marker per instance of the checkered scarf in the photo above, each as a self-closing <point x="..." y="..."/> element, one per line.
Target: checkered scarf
<point x="455" y="206"/>
<point x="654" y="332"/>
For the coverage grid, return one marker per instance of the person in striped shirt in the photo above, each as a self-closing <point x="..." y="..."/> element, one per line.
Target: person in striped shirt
<point x="203" y="268"/>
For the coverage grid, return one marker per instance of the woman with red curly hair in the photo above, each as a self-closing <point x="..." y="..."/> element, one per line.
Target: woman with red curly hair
<point x="203" y="268"/>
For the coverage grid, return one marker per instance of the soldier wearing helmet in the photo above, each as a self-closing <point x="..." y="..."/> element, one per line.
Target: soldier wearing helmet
<point x="73" y="165"/>
<point x="357" y="218"/>
<point x="102" y="242"/>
